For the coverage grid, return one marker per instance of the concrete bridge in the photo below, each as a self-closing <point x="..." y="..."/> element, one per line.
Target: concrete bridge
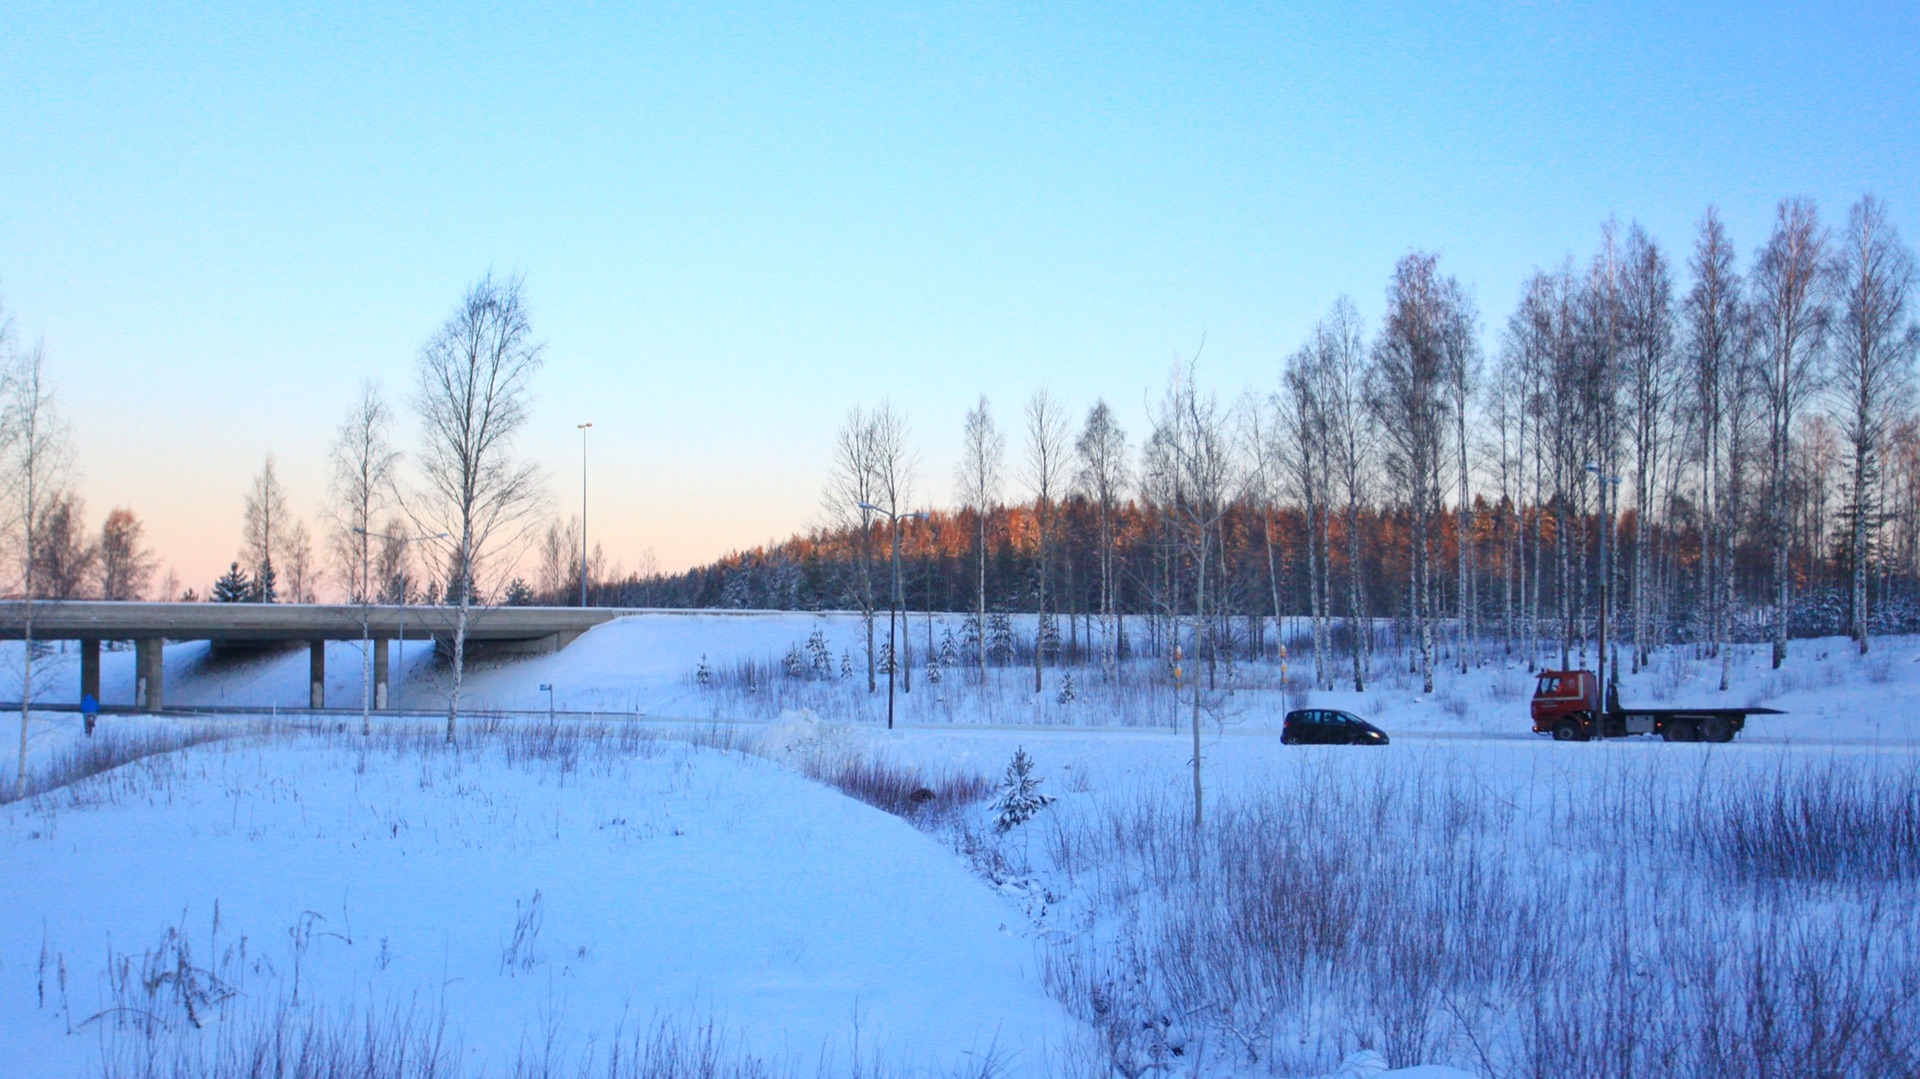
<point x="151" y="625"/>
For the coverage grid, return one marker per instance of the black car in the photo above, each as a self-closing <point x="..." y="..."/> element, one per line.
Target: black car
<point x="1326" y="726"/>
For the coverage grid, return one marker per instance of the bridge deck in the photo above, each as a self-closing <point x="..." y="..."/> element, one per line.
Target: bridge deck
<point x="267" y="622"/>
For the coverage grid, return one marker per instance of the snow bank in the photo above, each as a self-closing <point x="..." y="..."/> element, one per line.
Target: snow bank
<point x="582" y="896"/>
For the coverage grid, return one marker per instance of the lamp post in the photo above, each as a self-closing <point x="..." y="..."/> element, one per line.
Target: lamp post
<point x="893" y="602"/>
<point x="582" y="428"/>
<point x="366" y="630"/>
<point x="1606" y="586"/>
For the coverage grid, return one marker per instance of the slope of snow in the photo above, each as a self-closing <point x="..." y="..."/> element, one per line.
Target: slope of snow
<point x="689" y="881"/>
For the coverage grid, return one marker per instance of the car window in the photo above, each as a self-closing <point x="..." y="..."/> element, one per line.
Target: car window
<point x="1549" y="685"/>
<point x="1347" y="719"/>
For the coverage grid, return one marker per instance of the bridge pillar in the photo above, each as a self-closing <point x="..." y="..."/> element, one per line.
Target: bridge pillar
<point x="90" y="670"/>
<point x="149" y="684"/>
<point x="317" y="674"/>
<point x="381" y="647"/>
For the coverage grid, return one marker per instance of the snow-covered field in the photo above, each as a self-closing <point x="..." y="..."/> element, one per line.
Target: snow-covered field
<point x="1471" y="895"/>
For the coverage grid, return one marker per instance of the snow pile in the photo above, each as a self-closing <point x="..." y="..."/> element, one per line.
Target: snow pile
<point x="800" y="739"/>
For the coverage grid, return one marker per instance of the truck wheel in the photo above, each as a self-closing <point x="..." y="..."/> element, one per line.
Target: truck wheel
<point x="1289" y="739"/>
<point x="1715" y="729"/>
<point x="1568" y="730"/>
<point x="1681" y="731"/>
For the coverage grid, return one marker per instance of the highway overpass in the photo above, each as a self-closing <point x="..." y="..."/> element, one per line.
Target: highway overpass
<point x="150" y="625"/>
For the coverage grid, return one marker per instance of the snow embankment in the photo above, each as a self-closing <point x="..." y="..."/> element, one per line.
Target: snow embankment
<point x="526" y="894"/>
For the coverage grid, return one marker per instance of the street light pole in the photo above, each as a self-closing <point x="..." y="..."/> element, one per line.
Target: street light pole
<point x="582" y="427"/>
<point x="893" y="601"/>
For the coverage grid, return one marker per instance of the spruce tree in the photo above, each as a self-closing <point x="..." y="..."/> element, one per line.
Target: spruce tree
<point x="263" y="590"/>
<point x="1020" y="796"/>
<point x="233" y="586"/>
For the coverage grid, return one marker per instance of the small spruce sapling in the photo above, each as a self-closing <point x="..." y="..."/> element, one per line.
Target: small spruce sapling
<point x="949" y="655"/>
<point x="792" y="664"/>
<point x="703" y="674"/>
<point x="820" y="656"/>
<point x="1068" y="694"/>
<point x="999" y="638"/>
<point x="1020" y="796"/>
<point x="846" y="664"/>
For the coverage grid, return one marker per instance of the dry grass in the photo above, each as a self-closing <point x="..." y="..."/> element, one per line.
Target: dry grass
<point x="110" y="747"/>
<point x="1414" y="913"/>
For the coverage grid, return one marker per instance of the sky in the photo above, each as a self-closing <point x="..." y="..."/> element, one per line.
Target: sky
<point x="737" y="221"/>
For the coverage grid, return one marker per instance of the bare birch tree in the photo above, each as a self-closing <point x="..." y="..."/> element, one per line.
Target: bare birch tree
<point x="1647" y="313"/>
<point x="1301" y="444"/>
<point x="896" y="467"/>
<point x="38" y="457"/>
<point x="1407" y="396"/>
<point x="983" y="457"/>
<point x="126" y="563"/>
<point x="1791" y="315"/>
<point x="852" y="487"/>
<point x="1194" y="460"/>
<point x="1715" y="334"/>
<point x="1460" y="342"/>
<point x="472" y="398"/>
<point x="1873" y="372"/>
<point x="1046" y="472"/>
<point x="1104" y="476"/>
<point x="363" y="473"/>
<point x="263" y="534"/>
<point x="1341" y="341"/>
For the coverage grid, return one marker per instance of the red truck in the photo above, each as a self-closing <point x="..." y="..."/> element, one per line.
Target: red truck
<point x="1567" y="705"/>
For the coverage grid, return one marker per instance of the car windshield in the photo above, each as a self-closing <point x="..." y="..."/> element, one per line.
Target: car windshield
<point x="1343" y="718"/>
<point x="1548" y="685"/>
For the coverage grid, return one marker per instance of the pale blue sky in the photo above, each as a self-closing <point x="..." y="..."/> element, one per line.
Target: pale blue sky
<point x="737" y="221"/>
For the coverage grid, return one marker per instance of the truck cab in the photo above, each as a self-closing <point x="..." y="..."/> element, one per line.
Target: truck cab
<point x="1564" y="694"/>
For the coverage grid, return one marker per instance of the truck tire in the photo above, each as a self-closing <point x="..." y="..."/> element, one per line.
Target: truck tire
<point x="1716" y="729"/>
<point x="1569" y="730"/>
<point x="1681" y="730"/>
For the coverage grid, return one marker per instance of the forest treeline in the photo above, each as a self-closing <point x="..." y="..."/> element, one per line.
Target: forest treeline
<point x="1721" y="449"/>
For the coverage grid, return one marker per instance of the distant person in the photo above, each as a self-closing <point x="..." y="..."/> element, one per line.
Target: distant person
<point x="89" y="711"/>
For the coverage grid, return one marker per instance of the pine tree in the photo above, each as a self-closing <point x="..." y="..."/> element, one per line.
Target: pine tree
<point x="846" y="664"/>
<point x="519" y="594"/>
<point x="233" y="587"/>
<point x="1068" y="694"/>
<point x="793" y="664"/>
<point x="1019" y="797"/>
<point x="703" y="674"/>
